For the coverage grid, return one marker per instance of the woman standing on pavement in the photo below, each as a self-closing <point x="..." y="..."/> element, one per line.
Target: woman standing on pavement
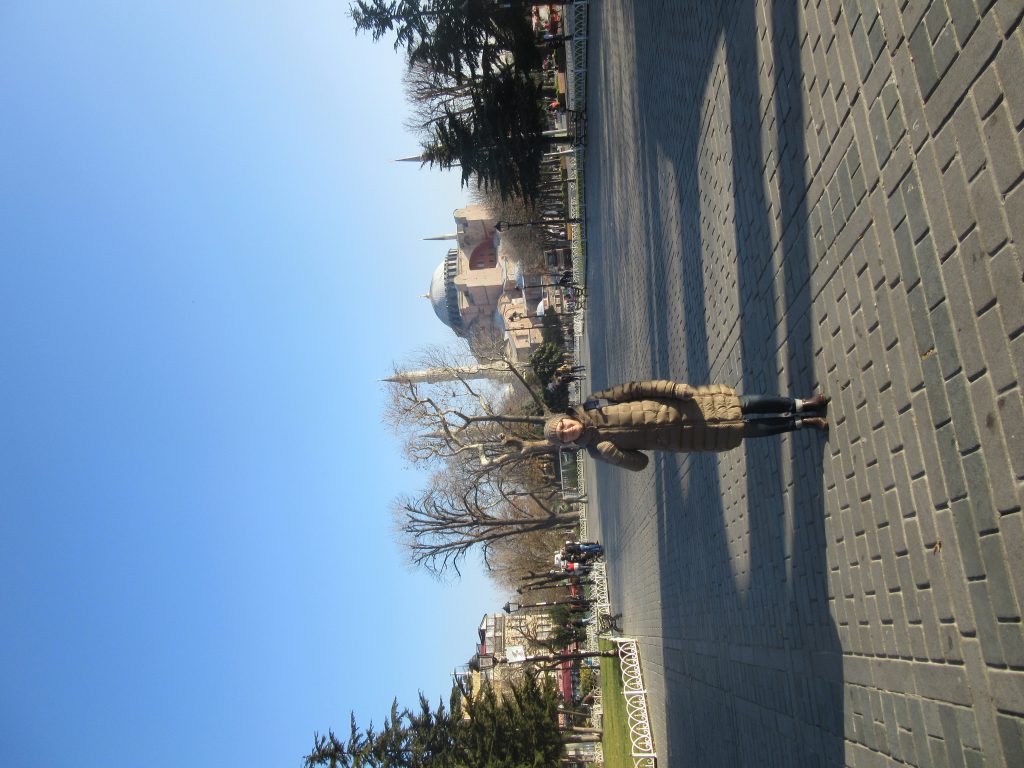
<point x="616" y="425"/>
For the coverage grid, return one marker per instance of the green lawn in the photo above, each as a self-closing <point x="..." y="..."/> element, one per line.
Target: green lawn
<point x="615" y="740"/>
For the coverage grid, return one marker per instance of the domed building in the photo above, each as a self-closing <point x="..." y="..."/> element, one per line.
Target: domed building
<point x="479" y="293"/>
<point x="444" y="294"/>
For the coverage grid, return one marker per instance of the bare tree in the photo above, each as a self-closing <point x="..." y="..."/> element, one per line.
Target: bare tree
<point x="433" y="94"/>
<point x="471" y="406"/>
<point x="473" y="418"/>
<point x="441" y="526"/>
<point x="513" y="558"/>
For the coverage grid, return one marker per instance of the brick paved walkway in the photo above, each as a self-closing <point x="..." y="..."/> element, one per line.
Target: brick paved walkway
<point x="786" y="196"/>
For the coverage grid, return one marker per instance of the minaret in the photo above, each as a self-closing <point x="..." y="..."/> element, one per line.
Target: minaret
<point x="446" y="373"/>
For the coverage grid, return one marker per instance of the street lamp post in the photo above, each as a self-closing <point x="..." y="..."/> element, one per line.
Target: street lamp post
<point x="576" y="603"/>
<point x="503" y="226"/>
<point x="548" y="585"/>
<point x="572" y="576"/>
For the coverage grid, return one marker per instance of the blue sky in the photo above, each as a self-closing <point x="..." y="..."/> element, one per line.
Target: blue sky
<point x="208" y="262"/>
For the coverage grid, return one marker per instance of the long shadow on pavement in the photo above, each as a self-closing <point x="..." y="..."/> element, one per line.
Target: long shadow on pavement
<point x="752" y="661"/>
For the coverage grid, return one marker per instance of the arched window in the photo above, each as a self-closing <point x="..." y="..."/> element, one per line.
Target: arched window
<point x="484" y="256"/>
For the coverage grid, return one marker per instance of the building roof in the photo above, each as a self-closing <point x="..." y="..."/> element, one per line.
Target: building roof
<point x="444" y="295"/>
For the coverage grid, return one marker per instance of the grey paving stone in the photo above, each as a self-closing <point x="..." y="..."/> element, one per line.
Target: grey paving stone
<point x="1002" y="145"/>
<point x="1011" y="734"/>
<point x="988" y="633"/>
<point x="992" y="330"/>
<point x="994" y="449"/>
<point x="938" y="403"/>
<point x="986" y="92"/>
<point x="1007" y="13"/>
<point x="892" y="28"/>
<point x="966" y="68"/>
<point x="976" y="270"/>
<point x="944" y="50"/>
<point x="964" y="18"/>
<point x="913" y="198"/>
<point x="955" y="189"/>
<point x="965" y="429"/>
<point x="919" y="730"/>
<point x="951" y="736"/>
<point x="897" y="209"/>
<point x="1006" y="281"/>
<point x="967" y="729"/>
<point x="935" y="19"/>
<point x="917" y="301"/>
<point x="939" y="753"/>
<point x="943" y="682"/>
<point x="924" y="63"/>
<point x="968" y="139"/>
<point x="959" y="301"/>
<point x="989" y="212"/>
<point x="875" y="40"/>
<point x="973" y="758"/>
<point x="1011" y="419"/>
<point x="944" y="334"/>
<point x="1011" y="639"/>
<point x="1016" y="349"/>
<point x="1004" y="601"/>
<point x="917" y="562"/>
<point x="890" y="97"/>
<point x="942" y="600"/>
<point x="986" y="517"/>
<point x="1009" y="64"/>
<point x="944" y="143"/>
<point x="880" y="132"/>
<point x="939" y="220"/>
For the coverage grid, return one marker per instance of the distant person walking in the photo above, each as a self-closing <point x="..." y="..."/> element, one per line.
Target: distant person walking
<point x="616" y="425"/>
<point x="568" y="370"/>
<point x="581" y="551"/>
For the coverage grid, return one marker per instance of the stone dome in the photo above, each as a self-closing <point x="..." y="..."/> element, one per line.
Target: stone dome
<point x="444" y="295"/>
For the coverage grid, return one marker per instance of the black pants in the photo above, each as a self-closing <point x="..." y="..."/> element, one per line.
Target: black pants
<point x="773" y="404"/>
<point x="777" y="415"/>
<point x="769" y="425"/>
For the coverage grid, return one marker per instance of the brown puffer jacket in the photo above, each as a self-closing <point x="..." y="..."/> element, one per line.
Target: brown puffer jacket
<point x="659" y="416"/>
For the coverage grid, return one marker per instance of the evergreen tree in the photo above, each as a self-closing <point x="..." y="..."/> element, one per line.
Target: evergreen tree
<point x="477" y="730"/>
<point x="518" y="731"/>
<point x="545" y="361"/>
<point x="500" y="140"/>
<point x="454" y="37"/>
<point x="567" y="628"/>
<point x="485" y="54"/>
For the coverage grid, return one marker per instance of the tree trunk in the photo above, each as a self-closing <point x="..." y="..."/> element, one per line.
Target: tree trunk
<point x="583" y="738"/>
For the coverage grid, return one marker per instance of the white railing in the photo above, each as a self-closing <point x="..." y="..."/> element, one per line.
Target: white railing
<point x="599" y="597"/>
<point x="640" y="736"/>
<point x="575" y="16"/>
<point x="576" y="80"/>
<point x="578" y="247"/>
